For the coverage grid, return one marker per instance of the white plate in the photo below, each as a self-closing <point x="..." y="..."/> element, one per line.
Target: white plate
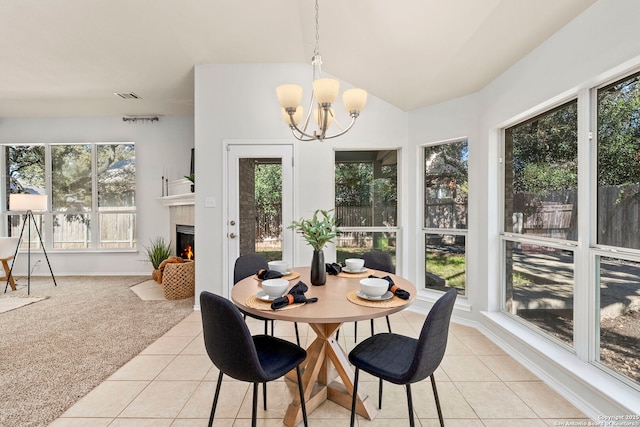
<point x="362" y="270"/>
<point x="264" y="297"/>
<point x="386" y="296"/>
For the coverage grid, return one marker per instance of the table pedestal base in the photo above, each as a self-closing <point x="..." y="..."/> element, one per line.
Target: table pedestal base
<point x="318" y="378"/>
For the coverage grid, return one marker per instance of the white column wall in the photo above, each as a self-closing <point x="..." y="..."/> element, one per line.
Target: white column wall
<point x="165" y="144"/>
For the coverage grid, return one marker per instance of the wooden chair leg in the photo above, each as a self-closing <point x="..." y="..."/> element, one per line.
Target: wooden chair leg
<point x="435" y="394"/>
<point x="7" y="275"/>
<point x="215" y="399"/>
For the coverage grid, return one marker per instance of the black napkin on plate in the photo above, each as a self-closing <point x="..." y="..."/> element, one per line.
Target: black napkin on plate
<point x="264" y="274"/>
<point x="295" y="295"/>
<point x="400" y="293"/>
<point x="333" y="268"/>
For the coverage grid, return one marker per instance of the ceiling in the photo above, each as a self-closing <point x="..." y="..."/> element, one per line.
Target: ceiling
<point x="68" y="57"/>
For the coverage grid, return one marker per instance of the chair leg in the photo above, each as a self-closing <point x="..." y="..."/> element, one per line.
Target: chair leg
<point x="271" y="328"/>
<point x="435" y="394"/>
<point x="215" y="399"/>
<point x="410" y="404"/>
<point x="379" y="393"/>
<point x="353" y="398"/>
<point x="254" y="408"/>
<point x="372" y="332"/>
<point x="295" y="325"/>
<point x="264" y="395"/>
<point x="266" y="327"/>
<point x="355" y="331"/>
<point x="303" y="405"/>
<point x="388" y="324"/>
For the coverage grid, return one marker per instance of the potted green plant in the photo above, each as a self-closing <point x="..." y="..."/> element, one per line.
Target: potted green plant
<point x="158" y="251"/>
<point x="318" y="230"/>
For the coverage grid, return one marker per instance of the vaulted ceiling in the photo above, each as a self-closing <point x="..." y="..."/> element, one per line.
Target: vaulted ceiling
<point x="68" y="57"/>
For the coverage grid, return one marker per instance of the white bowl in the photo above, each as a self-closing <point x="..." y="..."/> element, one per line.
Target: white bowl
<point x="275" y="287"/>
<point x="354" y="264"/>
<point x="374" y="287"/>
<point x="279" y="266"/>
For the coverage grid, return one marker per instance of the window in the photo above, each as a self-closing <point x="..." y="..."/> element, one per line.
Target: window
<point x="366" y="202"/>
<point x="540" y="215"/>
<point x="25" y="173"/>
<point x="446" y="192"/>
<point x="92" y="192"/>
<point x="618" y="221"/>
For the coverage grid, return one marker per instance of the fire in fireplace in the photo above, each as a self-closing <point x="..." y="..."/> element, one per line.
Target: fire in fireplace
<point x="185" y="243"/>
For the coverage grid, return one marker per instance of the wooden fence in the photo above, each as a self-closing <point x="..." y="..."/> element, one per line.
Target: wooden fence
<point x="618" y="215"/>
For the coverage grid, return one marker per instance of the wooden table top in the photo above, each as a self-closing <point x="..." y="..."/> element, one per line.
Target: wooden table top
<point x="332" y="305"/>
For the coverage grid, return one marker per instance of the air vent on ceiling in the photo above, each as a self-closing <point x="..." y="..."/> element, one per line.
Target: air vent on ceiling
<point x="129" y="95"/>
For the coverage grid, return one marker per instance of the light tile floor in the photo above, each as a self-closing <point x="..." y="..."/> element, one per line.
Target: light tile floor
<point x="171" y="383"/>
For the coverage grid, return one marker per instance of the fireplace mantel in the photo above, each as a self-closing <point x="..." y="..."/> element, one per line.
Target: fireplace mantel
<point x="179" y="194"/>
<point x="179" y="200"/>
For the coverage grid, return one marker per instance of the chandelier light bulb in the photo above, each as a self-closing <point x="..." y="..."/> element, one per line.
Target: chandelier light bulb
<point x="354" y="100"/>
<point x="297" y="116"/>
<point x="326" y="90"/>
<point x="289" y="96"/>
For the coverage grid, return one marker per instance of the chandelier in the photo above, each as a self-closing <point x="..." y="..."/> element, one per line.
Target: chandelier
<point x="324" y="93"/>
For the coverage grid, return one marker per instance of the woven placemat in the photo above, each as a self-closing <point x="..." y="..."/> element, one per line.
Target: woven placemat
<point x="362" y="275"/>
<point x="255" y="302"/>
<point x="392" y="302"/>
<point x="290" y="276"/>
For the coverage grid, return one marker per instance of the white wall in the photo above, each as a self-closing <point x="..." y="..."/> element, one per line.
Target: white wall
<point x="164" y="144"/>
<point x="237" y="103"/>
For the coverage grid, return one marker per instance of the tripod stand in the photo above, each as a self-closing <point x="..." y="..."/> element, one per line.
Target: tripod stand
<point x="29" y="218"/>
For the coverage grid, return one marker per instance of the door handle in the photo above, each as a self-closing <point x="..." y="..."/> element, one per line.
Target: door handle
<point x="232" y="235"/>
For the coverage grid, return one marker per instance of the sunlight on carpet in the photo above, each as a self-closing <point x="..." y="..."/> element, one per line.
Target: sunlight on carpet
<point x="8" y="303"/>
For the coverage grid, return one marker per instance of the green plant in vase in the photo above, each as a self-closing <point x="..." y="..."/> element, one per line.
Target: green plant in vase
<point x="318" y="230"/>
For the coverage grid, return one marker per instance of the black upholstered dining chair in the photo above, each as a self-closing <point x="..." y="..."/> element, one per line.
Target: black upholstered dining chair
<point x="245" y="266"/>
<point x="377" y="260"/>
<point x="239" y="355"/>
<point x="404" y="360"/>
<point x="248" y="265"/>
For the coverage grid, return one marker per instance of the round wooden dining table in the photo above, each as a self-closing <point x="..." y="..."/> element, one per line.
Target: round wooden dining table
<point x="337" y="303"/>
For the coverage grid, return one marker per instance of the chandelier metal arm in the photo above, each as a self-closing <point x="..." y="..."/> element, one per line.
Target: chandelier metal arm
<point x="345" y="130"/>
<point x="303" y="136"/>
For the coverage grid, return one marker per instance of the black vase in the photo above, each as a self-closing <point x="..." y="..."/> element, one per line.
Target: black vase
<point x="318" y="272"/>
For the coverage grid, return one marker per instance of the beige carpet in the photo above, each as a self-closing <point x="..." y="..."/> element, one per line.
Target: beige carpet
<point x="55" y="351"/>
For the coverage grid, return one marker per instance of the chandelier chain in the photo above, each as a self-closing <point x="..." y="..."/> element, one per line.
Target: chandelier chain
<point x="317" y="49"/>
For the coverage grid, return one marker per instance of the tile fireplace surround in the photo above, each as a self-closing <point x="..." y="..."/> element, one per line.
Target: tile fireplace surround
<point x="181" y="204"/>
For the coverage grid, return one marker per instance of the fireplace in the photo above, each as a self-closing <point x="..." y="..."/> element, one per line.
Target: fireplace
<point x="185" y="243"/>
